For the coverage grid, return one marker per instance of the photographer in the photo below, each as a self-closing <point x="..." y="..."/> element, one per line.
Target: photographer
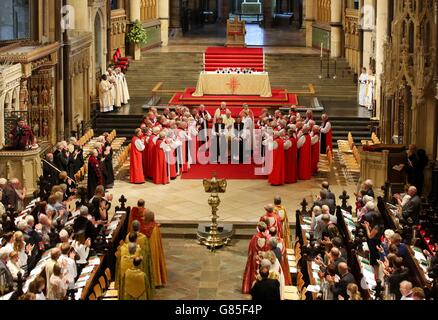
<point x="22" y="136"/>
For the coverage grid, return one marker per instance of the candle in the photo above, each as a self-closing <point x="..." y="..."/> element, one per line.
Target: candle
<point x="322" y="47"/>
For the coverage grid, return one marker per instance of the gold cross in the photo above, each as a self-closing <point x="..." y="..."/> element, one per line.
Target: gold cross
<point x="233" y="84"/>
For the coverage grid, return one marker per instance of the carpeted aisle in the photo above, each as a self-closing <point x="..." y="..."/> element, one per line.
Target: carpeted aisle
<point x="223" y="171"/>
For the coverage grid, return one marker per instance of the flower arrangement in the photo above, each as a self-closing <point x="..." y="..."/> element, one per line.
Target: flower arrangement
<point x="137" y="34"/>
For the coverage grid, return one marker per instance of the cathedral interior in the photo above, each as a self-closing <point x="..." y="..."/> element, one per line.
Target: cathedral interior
<point x="54" y="53"/>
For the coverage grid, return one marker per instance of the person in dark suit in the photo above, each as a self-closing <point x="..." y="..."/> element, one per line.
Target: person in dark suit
<point x="330" y="195"/>
<point x="82" y="224"/>
<point x="265" y="289"/>
<point x="323" y="200"/>
<point x="49" y="171"/>
<point x="413" y="207"/>
<point x="340" y="288"/>
<point x="399" y="275"/>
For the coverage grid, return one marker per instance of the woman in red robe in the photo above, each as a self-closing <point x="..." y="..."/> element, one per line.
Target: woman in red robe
<point x="257" y="244"/>
<point x="290" y="158"/>
<point x="305" y="155"/>
<point x="326" y="134"/>
<point x="315" y="149"/>
<point x="160" y="169"/>
<point x="136" y="158"/>
<point x="276" y="178"/>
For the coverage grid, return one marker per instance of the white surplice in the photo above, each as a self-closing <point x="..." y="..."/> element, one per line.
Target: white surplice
<point x="363" y="81"/>
<point x="105" y="96"/>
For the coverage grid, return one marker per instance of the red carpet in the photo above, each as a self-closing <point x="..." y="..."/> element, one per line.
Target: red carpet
<point x="280" y="98"/>
<point x="223" y="57"/>
<point x="223" y="171"/>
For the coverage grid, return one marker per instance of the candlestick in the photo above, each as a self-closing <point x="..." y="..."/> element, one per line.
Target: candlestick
<point x="322" y="48"/>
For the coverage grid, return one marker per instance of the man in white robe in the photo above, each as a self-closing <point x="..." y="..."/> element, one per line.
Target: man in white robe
<point x="363" y="81"/>
<point x="105" y="96"/>
<point x="123" y="86"/>
<point x="369" y="102"/>
<point x="115" y="91"/>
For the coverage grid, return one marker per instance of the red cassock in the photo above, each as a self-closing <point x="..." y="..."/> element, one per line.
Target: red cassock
<point x="151" y="158"/>
<point x="145" y="156"/>
<point x="273" y="220"/>
<point x="257" y="243"/>
<point x="276" y="178"/>
<point x="172" y="164"/>
<point x="182" y="135"/>
<point x="160" y="165"/>
<point x="315" y="156"/>
<point x="136" y="162"/>
<point x="284" y="262"/>
<point x="290" y="155"/>
<point x="305" y="160"/>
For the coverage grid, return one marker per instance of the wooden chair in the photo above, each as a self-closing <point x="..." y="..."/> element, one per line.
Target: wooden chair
<point x="92" y="296"/>
<point x="97" y="291"/>
<point x="300" y="281"/>
<point x="102" y="283"/>
<point x="109" y="283"/>
<point x="303" y="294"/>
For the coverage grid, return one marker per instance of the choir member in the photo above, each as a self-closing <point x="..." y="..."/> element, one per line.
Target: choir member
<point x="277" y="177"/>
<point x="315" y="136"/>
<point x="121" y="82"/>
<point x="150" y="163"/>
<point x="290" y="157"/>
<point x="326" y="134"/>
<point x="161" y="165"/>
<point x="363" y="79"/>
<point x="204" y="118"/>
<point x="247" y="110"/>
<point x="136" y="158"/>
<point x="257" y="244"/>
<point x="106" y="98"/>
<point x="304" y="155"/>
<point x="219" y="142"/>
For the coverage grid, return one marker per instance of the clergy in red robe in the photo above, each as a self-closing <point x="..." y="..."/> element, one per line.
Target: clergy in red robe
<point x="315" y="149"/>
<point x="161" y="166"/>
<point x="272" y="219"/>
<point x="145" y="138"/>
<point x="136" y="158"/>
<point x="137" y="213"/>
<point x="290" y="156"/>
<point x="326" y="134"/>
<point x="305" y="155"/>
<point x="257" y="245"/>
<point x="276" y="178"/>
<point x="151" y="151"/>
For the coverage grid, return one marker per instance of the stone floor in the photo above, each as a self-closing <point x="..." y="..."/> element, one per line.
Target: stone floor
<point x="186" y="200"/>
<point x="215" y="34"/>
<point x="195" y="273"/>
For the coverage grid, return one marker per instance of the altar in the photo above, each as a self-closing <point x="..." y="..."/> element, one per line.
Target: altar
<point x="213" y="83"/>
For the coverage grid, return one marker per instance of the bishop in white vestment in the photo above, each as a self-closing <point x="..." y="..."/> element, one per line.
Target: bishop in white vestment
<point x="363" y="81"/>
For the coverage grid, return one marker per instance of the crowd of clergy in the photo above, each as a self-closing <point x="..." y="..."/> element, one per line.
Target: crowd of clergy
<point x="287" y="146"/>
<point x="140" y="266"/>
<point x="113" y="90"/>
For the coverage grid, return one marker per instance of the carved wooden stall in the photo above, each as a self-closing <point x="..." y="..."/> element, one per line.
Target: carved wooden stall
<point x="37" y="94"/>
<point x="352" y="39"/>
<point x="378" y="162"/>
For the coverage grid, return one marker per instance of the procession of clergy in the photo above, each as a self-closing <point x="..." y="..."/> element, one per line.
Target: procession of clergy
<point x="113" y="90"/>
<point x="166" y="145"/>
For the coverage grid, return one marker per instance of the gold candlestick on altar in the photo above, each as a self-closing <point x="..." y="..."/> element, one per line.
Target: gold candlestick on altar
<point x="214" y="238"/>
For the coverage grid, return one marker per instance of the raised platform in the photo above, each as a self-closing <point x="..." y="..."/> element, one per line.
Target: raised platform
<point x="280" y="99"/>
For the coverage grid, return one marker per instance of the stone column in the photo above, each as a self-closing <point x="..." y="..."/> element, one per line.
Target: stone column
<point x="134" y="15"/>
<point x="368" y="26"/>
<point x="80" y="14"/>
<point x="134" y="10"/>
<point x="163" y="16"/>
<point x="175" y="17"/>
<point x="381" y="38"/>
<point x="336" y="28"/>
<point x="267" y="12"/>
<point x="309" y="20"/>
